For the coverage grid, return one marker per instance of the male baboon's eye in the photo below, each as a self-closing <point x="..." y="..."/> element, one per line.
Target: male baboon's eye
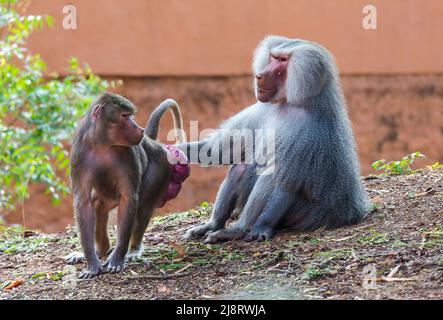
<point x="125" y="115"/>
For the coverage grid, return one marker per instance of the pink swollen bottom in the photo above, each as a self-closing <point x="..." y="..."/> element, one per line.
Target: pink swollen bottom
<point x="180" y="172"/>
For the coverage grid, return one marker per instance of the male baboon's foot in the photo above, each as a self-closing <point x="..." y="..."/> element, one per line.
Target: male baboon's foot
<point x="75" y="258"/>
<point x="135" y="253"/>
<point x="114" y="264"/>
<point x="259" y="234"/>
<point x="225" y="235"/>
<point x="199" y="231"/>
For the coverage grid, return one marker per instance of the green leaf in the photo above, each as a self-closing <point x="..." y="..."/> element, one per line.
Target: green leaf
<point x="49" y="21"/>
<point x="399" y="167"/>
<point x="38" y="114"/>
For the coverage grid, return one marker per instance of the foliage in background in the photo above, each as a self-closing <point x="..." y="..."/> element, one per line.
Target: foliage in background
<point x="399" y="167"/>
<point x="37" y="113"/>
<point x="435" y="166"/>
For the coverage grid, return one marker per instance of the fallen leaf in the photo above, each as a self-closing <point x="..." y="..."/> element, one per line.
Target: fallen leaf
<point x="15" y="283"/>
<point x="133" y="272"/>
<point x="28" y="233"/>
<point x="393" y="272"/>
<point x="180" y="250"/>
<point x="376" y="200"/>
<point x="163" y="289"/>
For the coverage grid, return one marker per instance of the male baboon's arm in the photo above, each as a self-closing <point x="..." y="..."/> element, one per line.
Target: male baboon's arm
<point x="213" y="152"/>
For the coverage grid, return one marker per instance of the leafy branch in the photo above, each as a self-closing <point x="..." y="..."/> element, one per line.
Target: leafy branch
<point x="38" y="113"/>
<point x="399" y="167"/>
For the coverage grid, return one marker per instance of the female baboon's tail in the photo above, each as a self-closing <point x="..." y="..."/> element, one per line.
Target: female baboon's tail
<point x="151" y="129"/>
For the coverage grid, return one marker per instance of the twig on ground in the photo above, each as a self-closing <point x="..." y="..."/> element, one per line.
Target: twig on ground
<point x="393" y="271"/>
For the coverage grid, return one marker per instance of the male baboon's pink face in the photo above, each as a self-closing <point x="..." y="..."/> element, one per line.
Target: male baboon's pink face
<point x="272" y="78"/>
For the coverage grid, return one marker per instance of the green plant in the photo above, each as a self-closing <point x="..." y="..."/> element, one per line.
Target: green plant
<point x="436" y="166"/>
<point x="38" y="113"/>
<point x="399" y="167"/>
<point x="313" y="272"/>
<point x="204" y="210"/>
<point x="374" y="237"/>
<point x="431" y="238"/>
<point x="13" y="242"/>
<point x="334" y="254"/>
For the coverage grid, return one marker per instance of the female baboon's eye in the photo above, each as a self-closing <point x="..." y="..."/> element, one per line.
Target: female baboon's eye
<point x="126" y="115"/>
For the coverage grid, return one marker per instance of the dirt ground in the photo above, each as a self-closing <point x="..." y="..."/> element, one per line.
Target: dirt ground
<point x="396" y="253"/>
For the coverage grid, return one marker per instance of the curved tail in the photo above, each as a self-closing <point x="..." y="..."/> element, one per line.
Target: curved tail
<point x="152" y="126"/>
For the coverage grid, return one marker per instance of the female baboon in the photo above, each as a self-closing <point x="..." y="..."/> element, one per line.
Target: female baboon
<point x="114" y="164"/>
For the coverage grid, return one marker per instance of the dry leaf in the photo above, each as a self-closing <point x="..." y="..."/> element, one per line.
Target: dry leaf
<point x="133" y="272"/>
<point x="180" y="250"/>
<point x="163" y="289"/>
<point x="393" y="272"/>
<point x="28" y="233"/>
<point x="15" y="283"/>
<point x="376" y="200"/>
<point x="212" y="250"/>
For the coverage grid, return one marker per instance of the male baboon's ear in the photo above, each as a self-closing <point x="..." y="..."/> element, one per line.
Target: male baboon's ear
<point x="96" y="113"/>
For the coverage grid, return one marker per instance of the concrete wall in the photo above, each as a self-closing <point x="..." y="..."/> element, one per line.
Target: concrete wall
<point x="207" y="37"/>
<point x="199" y="52"/>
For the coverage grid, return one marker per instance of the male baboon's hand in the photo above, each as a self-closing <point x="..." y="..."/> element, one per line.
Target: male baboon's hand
<point x="259" y="234"/>
<point x="199" y="231"/>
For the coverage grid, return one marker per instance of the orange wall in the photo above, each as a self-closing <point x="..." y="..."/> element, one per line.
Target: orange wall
<point x="136" y="40"/>
<point x="209" y="37"/>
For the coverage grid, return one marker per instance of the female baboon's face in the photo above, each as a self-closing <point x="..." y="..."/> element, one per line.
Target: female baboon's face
<point x="114" y="125"/>
<point x="126" y="131"/>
